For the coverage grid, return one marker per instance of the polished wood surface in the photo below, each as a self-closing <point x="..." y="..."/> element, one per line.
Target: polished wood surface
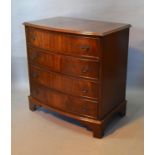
<point x="63" y="83"/>
<point x="78" y="106"/>
<point x="79" y="71"/>
<point x="78" y="26"/>
<point x="76" y="45"/>
<point x="113" y="72"/>
<point x="80" y="67"/>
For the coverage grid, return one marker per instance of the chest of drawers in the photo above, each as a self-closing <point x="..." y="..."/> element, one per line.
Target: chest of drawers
<point x="78" y="68"/>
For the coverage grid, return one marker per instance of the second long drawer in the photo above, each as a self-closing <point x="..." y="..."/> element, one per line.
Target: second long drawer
<point x="63" y="83"/>
<point x="64" y="64"/>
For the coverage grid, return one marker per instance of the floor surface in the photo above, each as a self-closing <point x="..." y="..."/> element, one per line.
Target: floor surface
<point x="46" y="133"/>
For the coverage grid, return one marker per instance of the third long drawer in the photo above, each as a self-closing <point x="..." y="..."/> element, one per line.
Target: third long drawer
<point x="63" y="83"/>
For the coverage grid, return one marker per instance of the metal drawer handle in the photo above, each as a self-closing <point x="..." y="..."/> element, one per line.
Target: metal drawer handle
<point x="33" y="37"/>
<point x="85" y="69"/>
<point x="34" y="56"/>
<point x="35" y="74"/>
<point x="84" y="90"/>
<point x="84" y="47"/>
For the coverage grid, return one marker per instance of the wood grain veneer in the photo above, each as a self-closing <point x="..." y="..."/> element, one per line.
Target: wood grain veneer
<point x="78" y="68"/>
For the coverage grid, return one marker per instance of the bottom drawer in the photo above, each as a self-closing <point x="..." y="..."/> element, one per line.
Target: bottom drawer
<point x="78" y="106"/>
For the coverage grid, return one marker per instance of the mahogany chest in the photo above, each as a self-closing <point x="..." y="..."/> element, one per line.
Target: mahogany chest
<point x="78" y="68"/>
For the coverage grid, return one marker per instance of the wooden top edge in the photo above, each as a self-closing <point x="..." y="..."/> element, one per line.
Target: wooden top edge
<point x="78" y="26"/>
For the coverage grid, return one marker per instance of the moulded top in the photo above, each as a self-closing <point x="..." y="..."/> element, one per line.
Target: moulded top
<point x="78" y="26"/>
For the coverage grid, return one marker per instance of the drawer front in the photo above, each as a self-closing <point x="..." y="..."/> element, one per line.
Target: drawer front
<point x="64" y="102"/>
<point x="66" y="84"/>
<point x="65" y="64"/>
<point x="64" y="43"/>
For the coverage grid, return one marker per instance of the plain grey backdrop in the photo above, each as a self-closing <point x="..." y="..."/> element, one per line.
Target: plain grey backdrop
<point x="125" y="11"/>
<point x="43" y="132"/>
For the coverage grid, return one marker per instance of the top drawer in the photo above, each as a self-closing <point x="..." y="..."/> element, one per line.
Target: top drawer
<point x="64" y="43"/>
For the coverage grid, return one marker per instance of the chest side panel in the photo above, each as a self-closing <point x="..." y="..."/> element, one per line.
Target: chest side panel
<point x="114" y="69"/>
